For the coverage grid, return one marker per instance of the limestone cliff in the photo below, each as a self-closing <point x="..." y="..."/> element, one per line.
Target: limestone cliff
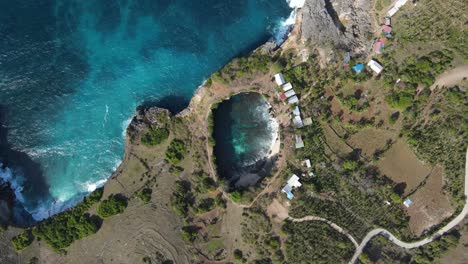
<point x="342" y="24"/>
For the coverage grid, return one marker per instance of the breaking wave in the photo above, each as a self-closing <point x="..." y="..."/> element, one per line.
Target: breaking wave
<point x="285" y="25"/>
<point x="15" y="181"/>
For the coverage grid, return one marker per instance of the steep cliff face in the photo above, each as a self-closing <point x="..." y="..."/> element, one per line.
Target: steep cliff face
<point x="342" y="24"/>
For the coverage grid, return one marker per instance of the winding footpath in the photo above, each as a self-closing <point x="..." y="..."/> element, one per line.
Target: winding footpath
<point x="333" y="225"/>
<point x="396" y="241"/>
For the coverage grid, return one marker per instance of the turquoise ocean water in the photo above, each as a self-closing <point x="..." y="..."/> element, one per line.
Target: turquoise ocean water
<point x="72" y="73"/>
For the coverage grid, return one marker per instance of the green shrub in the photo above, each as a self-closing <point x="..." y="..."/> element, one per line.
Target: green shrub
<point x="220" y="202"/>
<point x="155" y="136"/>
<point x="205" y="205"/>
<point x="396" y="198"/>
<point x="394" y="117"/>
<point x="94" y="197"/>
<point x="114" y="205"/>
<point x="22" y="240"/>
<point x="145" y="195"/>
<point x="176" y="151"/>
<point x="236" y="196"/>
<point x="176" y="170"/>
<point x="189" y="233"/>
<point x="238" y="255"/>
<point x="400" y="100"/>
<point x="59" y="231"/>
<point x="350" y="165"/>
<point x="182" y="198"/>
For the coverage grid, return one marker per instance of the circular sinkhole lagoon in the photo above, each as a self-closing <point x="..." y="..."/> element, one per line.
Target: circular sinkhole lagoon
<point x="246" y="137"/>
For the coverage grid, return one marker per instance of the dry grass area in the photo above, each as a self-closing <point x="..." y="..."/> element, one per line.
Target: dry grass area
<point x="402" y="166"/>
<point x="430" y="204"/>
<point x="371" y="139"/>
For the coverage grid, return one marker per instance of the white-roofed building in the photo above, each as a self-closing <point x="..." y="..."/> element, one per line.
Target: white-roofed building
<point x="279" y="79"/>
<point x="307" y="163"/>
<point x="375" y="66"/>
<point x="296" y="111"/>
<point x="392" y="11"/>
<point x="287" y="86"/>
<point x="396" y="7"/>
<point x="293" y="182"/>
<point x="400" y="3"/>
<point x="299" y="142"/>
<point x="298" y="121"/>
<point x="293" y="100"/>
<point x="290" y="93"/>
<point x="307" y="121"/>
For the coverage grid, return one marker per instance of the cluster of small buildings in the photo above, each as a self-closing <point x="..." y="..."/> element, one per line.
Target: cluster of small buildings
<point x="288" y="91"/>
<point x="289" y="94"/>
<point x="379" y="45"/>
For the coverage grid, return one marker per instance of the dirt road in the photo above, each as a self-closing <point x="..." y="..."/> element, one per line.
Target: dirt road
<point x="451" y="77"/>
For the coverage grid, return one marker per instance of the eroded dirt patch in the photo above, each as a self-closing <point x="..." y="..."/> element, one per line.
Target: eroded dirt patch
<point x="430" y="204"/>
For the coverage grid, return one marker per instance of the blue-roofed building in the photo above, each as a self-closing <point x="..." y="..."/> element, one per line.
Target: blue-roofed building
<point x="293" y="182"/>
<point x="358" y="68"/>
<point x="407" y="203"/>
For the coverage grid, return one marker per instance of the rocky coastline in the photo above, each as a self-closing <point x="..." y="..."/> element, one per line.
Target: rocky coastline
<point x="318" y="22"/>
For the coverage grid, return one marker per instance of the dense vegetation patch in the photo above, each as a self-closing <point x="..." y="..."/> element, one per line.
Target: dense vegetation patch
<point x="176" y="151"/>
<point x="145" y="195"/>
<point x="155" y="136"/>
<point x="112" y="206"/>
<point x="329" y="246"/>
<point x="416" y="70"/>
<point x="62" y="229"/>
<point x="240" y="67"/>
<point x="22" y="240"/>
<point x="436" y="21"/>
<point x="182" y="198"/>
<point x="439" y="136"/>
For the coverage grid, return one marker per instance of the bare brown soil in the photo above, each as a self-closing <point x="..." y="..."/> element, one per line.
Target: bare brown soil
<point x="401" y="165"/>
<point x="430" y="204"/>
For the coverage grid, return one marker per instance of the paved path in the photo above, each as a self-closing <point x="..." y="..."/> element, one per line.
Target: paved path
<point x="396" y="241"/>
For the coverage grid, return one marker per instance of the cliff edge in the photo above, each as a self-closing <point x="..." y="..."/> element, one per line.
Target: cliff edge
<point x="342" y="24"/>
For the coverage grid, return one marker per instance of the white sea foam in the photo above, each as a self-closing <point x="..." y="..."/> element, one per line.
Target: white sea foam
<point x="50" y="208"/>
<point x="91" y="186"/>
<point x="296" y="3"/>
<point x="285" y="25"/>
<point x="15" y="181"/>
<point x="125" y="125"/>
<point x="106" y="114"/>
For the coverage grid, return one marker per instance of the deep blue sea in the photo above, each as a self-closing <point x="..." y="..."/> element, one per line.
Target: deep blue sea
<point x="72" y="73"/>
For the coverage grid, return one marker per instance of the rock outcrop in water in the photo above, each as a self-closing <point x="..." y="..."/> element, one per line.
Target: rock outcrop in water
<point x="343" y="24"/>
<point x="145" y="117"/>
